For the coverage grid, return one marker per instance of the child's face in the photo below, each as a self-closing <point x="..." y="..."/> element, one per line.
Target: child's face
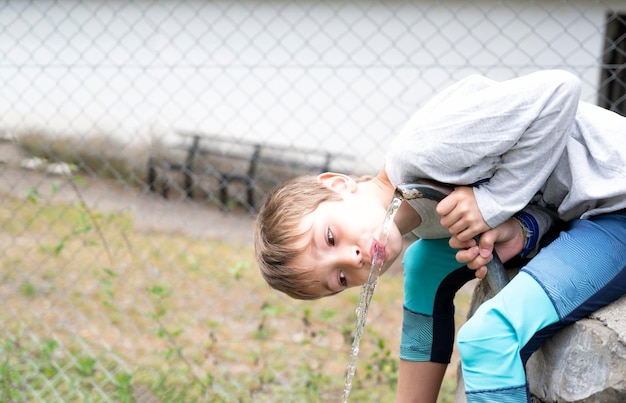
<point x="340" y="238"/>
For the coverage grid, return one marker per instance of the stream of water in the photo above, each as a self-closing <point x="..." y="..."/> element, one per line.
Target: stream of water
<point x="367" y="291"/>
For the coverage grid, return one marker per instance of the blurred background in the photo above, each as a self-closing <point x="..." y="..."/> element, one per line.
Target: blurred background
<point x="139" y="138"/>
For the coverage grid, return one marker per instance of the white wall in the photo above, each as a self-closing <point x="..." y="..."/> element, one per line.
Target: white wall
<point x="336" y="75"/>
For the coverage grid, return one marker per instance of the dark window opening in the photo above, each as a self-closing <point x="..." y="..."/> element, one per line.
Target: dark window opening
<point x="612" y="91"/>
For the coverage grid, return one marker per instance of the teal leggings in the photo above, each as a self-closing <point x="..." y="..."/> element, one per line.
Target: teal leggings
<point x="579" y="272"/>
<point x="432" y="276"/>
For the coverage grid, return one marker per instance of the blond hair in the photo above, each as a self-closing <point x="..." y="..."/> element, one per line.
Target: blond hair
<point x="278" y="229"/>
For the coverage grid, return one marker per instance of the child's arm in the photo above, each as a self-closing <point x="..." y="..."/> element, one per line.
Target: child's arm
<point x="511" y="134"/>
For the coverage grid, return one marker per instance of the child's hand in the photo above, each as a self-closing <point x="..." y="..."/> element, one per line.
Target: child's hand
<point x="460" y="214"/>
<point x="507" y="237"/>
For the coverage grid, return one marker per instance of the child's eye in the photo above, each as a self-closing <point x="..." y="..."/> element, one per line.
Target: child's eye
<point x="330" y="238"/>
<point x="342" y="279"/>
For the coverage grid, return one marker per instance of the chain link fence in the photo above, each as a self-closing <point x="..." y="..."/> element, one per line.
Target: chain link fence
<point x="139" y="138"/>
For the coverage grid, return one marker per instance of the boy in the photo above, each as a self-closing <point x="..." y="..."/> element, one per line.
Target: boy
<point x="316" y="218"/>
<point x="525" y="141"/>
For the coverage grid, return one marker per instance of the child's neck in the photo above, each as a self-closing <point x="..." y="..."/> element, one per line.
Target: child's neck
<point x="382" y="182"/>
<point x="407" y="218"/>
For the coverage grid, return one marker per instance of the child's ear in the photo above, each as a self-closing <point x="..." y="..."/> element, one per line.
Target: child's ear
<point x="338" y="182"/>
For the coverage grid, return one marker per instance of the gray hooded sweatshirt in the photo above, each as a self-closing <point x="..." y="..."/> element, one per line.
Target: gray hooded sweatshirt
<point x="529" y="140"/>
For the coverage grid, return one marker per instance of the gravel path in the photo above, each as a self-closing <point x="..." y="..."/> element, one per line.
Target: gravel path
<point x="151" y="212"/>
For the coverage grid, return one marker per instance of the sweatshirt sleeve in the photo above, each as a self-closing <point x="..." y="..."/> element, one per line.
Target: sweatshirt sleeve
<point x="508" y="136"/>
<point x="536" y="222"/>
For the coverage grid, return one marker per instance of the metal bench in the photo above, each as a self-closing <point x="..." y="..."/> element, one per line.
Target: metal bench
<point x="258" y="163"/>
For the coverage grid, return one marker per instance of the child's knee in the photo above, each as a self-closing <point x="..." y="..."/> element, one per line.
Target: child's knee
<point x="469" y="339"/>
<point x="487" y="336"/>
<point x="489" y="348"/>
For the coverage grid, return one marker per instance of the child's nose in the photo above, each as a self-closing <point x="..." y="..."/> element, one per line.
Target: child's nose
<point x="352" y="256"/>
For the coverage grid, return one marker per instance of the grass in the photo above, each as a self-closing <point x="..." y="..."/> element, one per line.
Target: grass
<point x="94" y="310"/>
<point x="101" y="316"/>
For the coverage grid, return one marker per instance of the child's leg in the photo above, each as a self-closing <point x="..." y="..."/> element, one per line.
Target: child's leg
<point x="419" y="381"/>
<point x="581" y="271"/>
<point x="490" y="341"/>
<point x="431" y="278"/>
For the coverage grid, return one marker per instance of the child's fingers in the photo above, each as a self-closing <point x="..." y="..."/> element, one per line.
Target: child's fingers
<point x="482" y="272"/>
<point x="467" y="256"/>
<point x="446" y="206"/>
<point x="487" y="242"/>
<point x="460" y="214"/>
<point x="456" y="243"/>
<point x="474" y="257"/>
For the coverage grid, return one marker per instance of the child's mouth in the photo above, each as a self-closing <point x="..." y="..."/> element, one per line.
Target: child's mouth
<point x="378" y="252"/>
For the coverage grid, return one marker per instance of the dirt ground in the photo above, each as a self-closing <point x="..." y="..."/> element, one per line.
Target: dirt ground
<point x="150" y="210"/>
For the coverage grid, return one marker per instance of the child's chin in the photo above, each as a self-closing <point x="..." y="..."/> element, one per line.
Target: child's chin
<point x="393" y="250"/>
<point x="391" y="257"/>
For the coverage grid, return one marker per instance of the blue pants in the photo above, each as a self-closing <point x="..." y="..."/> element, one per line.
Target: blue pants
<point x="582" y="270"/>
<point x="579" y="272"/>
